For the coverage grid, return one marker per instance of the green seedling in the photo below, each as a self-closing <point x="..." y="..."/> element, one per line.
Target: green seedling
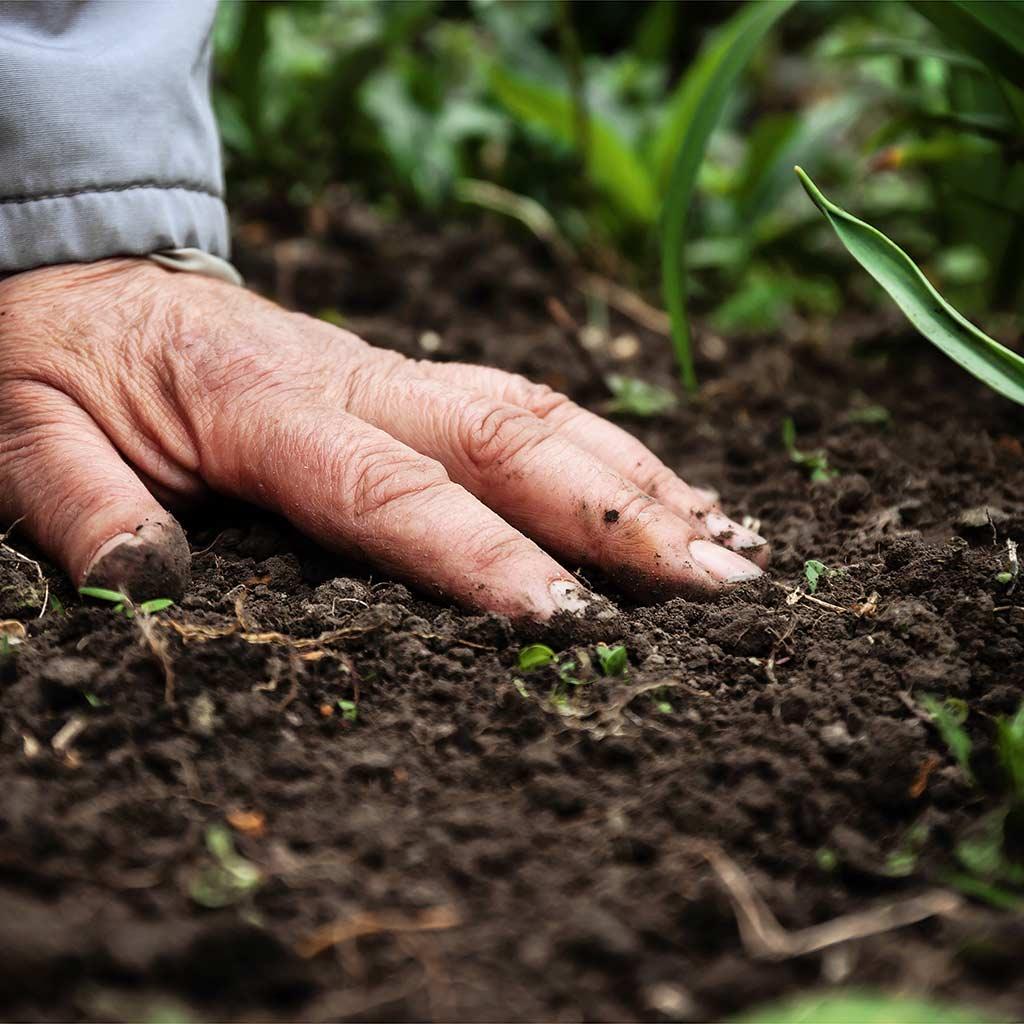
<point x="1008" y="578"/>
<point x="93" y="701"/>
<point x="902" y="862"/>
<point x="827" y="860"/>
<point x="1010" y="748"/>
<point x="349" y="710"/>
<point x="842" y="1006"/>
<point x="948" y="717"/>
<point x="813" y="572"/>
<point x="869" y="415"/>
<point x="535" y="656"/>
<point x="123" y="605"/>
<point x="613" y="660"/>
<point x="634" y="397"/>
<point x="814" y="463"/>
<point x="230" y="878"/>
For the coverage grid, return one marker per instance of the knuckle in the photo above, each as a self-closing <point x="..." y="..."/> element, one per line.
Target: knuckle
<point x="540" y="399"/>
<point x="494" y="434"/>
<point x="497" y="553"/>
<point x="382" y="477"/>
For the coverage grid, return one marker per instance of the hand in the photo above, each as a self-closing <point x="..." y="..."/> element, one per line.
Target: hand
<point x="124" y="387"/>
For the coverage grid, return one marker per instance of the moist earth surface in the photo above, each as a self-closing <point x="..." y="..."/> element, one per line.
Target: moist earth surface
<point x="307" y="792"/>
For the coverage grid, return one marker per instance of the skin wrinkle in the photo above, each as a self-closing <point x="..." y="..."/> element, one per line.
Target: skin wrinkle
<point x="198" y="383"/>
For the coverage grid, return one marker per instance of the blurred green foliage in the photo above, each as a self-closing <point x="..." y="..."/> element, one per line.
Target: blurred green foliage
<point x="912" y="113"/>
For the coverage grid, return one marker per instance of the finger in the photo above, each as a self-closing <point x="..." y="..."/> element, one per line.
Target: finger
<point x="81" y="503"/>
<point x="614" y="446"/>
<point x="357" y="490"/>
<point x="568" y="500"/>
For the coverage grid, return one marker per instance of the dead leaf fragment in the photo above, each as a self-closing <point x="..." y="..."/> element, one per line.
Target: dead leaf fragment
<point x="250" y="823"/>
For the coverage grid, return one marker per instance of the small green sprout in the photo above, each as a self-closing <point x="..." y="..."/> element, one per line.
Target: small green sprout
<point x="229" y="878"/>
<point x="93" y="701"/>
<point x="813" y="572"/>
<point x="637" y="397"/>
<point x="613" y="660"/>
<point x="948" y="716"/>
<point x="123" y="605"/>
<point x="1010" y="748"/>
<point x="815" y="463"/>
<point x="869" y="415"/>
<point x="664" y="707"/>
<point x="1009" y="576"/>
<point x="349" y="710"/>
<point x="535" y="656"/>
<point x="827" y="860"/>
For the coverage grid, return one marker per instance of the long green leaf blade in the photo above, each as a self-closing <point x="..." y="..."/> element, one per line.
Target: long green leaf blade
<point x="999" y="367"/>
<point x="701" y="98"/>
<point x="991" y="30"/>
<point x="611" y="163"/>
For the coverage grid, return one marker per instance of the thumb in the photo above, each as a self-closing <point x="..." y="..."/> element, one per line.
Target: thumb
<point x="81" y="503"/>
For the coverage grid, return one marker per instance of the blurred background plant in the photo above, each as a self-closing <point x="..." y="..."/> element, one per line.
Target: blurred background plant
<point x="570" y="117"/>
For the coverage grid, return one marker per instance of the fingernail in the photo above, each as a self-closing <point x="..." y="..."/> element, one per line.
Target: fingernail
<point x="723" y="564"/>
<point x="153" y="562"/>
<point x="570" y="597"/>
<point x="725" y="531"/>
<point x="706" y="494"/>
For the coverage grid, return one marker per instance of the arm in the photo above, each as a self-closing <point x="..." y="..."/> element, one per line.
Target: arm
<point x="126" y="389"/>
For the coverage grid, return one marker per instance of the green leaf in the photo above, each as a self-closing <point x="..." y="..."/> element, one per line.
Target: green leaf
<point x="999" y="367"/>
<point x="694" y="112"/>
<point x="614" y="661"/>
<point x="1010" y="745"/>
<point x="102" y="594"/>
<point x="612" y="165"/>
<point x="859" y="1007"/>
<point x="635" y="397"/>
<point x="349" y="710"/>
<point x="991" y="30"/>
<point x="158" y="604"/>
<point x="535" y="656"/>
<point x="813" y="571"/>
<point x="948" y="717"/>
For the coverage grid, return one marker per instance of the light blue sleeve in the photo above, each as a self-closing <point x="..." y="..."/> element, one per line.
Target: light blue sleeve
<point x="108" y="143"/>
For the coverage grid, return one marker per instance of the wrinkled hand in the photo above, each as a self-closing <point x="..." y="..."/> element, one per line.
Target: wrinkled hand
<point x="124" y="387"/>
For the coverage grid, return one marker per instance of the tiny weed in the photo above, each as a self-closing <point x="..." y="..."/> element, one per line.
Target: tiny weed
<point x="813" y="572"/>
<point x="948" y="716"/>
<point x="56" y="605"/>
<point x="1010" y="747"/>
<point x="349" y="710"/>
<point x="869" y="415"/>
<point x="229" y="878"/>
<point x="827" y="860"/>
<point x="123" y="605"/>
<point x="814" y="463"/>
<point x="902" y="862"/>
<point x="535" y="656"/>
<point x="613" y="660"/>
<point x="638" y="398"/>
<point x="94" y="701"/>
<point x="1008" y="577"/>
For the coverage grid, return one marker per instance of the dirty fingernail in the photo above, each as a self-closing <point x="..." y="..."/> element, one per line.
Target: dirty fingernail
<point x="725" y="531"/>
<point x="723" y="564"/>
<point x="573" y="599"/>
<point x="153" y="562"/>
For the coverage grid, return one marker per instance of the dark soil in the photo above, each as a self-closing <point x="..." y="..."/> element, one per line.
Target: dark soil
<point x="484" y="853"/>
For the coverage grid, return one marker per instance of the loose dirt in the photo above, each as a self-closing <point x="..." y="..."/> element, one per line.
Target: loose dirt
<point x="450" y="842"/>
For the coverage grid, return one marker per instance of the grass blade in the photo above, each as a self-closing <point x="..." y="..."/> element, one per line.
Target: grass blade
<point x="611" y="163"/>
<point x="999" y="367"/>
<point x="991" y="30"/>
<point x="695" y="113"/>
